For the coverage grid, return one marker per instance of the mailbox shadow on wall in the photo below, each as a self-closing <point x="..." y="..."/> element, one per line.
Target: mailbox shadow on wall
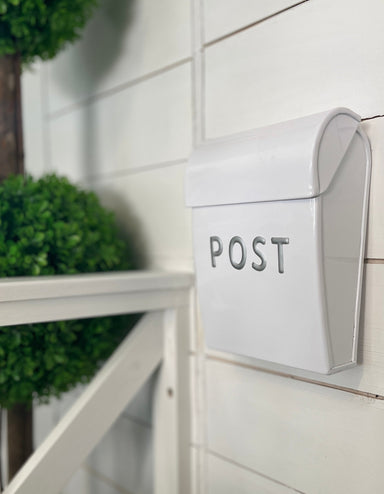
<point x="279" y="221"/>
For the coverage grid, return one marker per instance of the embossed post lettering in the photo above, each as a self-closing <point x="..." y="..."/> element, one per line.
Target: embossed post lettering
<point x="232" y="243"/>
<point x="237" y="251"/>
<point x="280" y="241"/>
<point x="263" y="263"/>
<point x="218" y="251"/>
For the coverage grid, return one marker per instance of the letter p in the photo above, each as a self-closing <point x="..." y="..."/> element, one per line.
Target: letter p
<point x="216" y="249"/>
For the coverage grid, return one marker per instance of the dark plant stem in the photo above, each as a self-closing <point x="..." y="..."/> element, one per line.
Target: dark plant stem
<point x="11" y="133"/>
<point x="12" y="162"/>
<point x="20" y="443"/>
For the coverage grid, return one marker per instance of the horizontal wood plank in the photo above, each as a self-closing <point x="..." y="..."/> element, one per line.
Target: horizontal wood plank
<point x="131" y="39"/>
<point x="85" y="481"/>
<point x="375" y="245"/>
<point x="150" y="207"/>
<point x="94" y="140"/>
<point x="308" y="437"/>
<point x="225" y="16"/>
<point x="225" y="477"/>
<point x="308" y="59"/>
<point x="124" y="456"/>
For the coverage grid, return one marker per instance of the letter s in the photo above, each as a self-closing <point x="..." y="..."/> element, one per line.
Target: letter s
<point x="263" y="264"/>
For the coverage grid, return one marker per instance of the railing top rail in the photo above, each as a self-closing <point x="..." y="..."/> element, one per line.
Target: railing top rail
<point x="45" y="287"/>
<point x="50" y="298"/>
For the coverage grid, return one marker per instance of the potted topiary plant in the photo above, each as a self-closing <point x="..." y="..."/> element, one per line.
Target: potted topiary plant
<point x="29" y="29"/>
<point x="48" y="227"/>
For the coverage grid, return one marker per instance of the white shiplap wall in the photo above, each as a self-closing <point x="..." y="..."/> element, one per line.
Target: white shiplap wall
<point x="120" y="111"/>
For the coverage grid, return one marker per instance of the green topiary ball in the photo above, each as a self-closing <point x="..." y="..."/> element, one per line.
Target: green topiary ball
<point x="48" y="227"/>
<point x="40" y="28"/>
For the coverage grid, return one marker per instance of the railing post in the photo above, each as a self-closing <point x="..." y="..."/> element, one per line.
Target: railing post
<point x="161" y="336"/>
<point x="71" y="441"/>
<point x="172" y="407"/>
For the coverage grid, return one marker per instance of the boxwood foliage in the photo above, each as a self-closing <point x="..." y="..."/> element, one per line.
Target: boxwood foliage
<point x="47" y="227"/>
<point x="40" y="28"/>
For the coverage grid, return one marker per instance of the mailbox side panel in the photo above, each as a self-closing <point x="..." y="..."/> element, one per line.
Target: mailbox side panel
<point x="344" y="215"/>
<point x="260" y="284"/>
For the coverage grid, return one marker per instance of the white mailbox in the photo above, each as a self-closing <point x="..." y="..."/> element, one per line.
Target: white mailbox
<point x="279" y="221"/>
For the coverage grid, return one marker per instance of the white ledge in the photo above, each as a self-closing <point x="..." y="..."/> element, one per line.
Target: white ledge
<point x="29" y="288"/>
<point x="48" y="298"/>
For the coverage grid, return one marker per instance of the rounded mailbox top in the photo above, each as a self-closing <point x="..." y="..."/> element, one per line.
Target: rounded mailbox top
<point x="289" y="160"/>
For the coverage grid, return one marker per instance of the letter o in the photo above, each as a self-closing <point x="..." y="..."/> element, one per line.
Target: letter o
<point x="232" y="243"/>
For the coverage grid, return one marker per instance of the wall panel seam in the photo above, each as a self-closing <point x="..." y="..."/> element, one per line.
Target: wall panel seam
<point x="54" y="115"/>
<point x="251" y="25"/>
<point x="134" y="170"/>
<point x="372" y="118"/>
<point x="251" y="470"/>
<point x="135" y="420"/>
<point x="105" y="479"/>
<point x="287" y="375"/>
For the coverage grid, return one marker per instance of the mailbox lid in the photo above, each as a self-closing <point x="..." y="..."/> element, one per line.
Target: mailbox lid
<point x="291" y="160"/>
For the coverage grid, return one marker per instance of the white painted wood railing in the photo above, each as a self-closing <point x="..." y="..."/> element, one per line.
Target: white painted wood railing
<point x="159" y="339"/>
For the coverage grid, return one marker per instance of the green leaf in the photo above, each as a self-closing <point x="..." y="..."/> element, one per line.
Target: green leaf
<point x="48" y="227"/>
<point x="37" y="28"/>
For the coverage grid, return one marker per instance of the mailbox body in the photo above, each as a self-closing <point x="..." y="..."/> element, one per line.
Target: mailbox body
<point x="279" y="241"/>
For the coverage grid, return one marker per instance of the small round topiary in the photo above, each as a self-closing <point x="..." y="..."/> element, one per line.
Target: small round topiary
<point x="40" y="28"/>
<point x="48" y="227"/>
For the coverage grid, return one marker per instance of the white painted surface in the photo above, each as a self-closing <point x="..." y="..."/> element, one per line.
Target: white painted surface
<point x="296" y="159"/>
<point x="141" y="125"/>
<point x="194" y="471"/>
<point x="302" y="182"/>
<point x="125" y="292"/>
<point x="151" y="206"/>
<point x="375" y="247"/>
<point x="33" y="119"/>
<point x="123" y="458"/>
<point x="80" y="430"/>
<point x="368" y="375"/>
<point x="135" y="472"/>
<point x="171" y="414"/>
<point x="86" y="482"/>
<point x="140" y="409"/>
<point x="43" y="422"/>
<point x="225" y="16"/>
<point x="225" y="477"/>
<point x="159" y="338"/>
<point x="306" y="60"/>
<point x="18" y="289"/>
<point x="193" y="401"/>
<point x="308" y="437"/>
<point x="126" y="39"/>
